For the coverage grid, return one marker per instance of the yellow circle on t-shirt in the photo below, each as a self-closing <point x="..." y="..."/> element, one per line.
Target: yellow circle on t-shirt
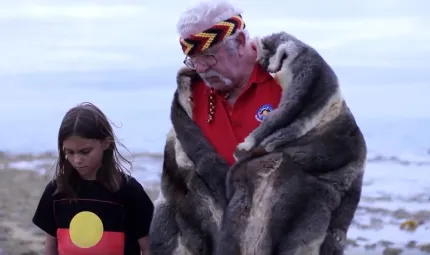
<point x="86" y="229"/>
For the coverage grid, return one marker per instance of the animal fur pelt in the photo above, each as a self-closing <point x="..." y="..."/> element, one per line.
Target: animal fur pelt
<point x="298" y="197"/>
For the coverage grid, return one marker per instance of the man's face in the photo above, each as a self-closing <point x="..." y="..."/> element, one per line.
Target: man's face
<point x="216" y="67"/>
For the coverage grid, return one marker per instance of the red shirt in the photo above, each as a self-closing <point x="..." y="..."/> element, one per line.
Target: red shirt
<point x="231" y="124"/>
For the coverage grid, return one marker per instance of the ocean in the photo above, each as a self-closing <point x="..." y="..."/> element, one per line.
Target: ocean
<point x="394" y="117"/>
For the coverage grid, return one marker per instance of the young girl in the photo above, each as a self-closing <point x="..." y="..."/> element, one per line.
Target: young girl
<point x="92" y="206"/>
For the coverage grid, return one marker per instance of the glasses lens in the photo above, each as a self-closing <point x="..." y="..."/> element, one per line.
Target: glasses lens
<point x="189" y="63"/>
<point x="211" y="61"/>
<point x="207" y="60"/>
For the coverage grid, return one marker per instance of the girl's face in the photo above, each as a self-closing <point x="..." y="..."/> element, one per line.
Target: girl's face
<point x="85" y="155"/>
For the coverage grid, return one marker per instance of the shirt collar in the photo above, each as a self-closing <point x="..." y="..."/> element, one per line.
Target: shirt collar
<point x="259" y="75"/>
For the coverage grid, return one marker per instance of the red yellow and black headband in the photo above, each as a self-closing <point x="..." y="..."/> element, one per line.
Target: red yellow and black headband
<point x="217" y="33"/>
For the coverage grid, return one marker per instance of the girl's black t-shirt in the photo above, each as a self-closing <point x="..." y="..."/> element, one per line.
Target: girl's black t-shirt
<point x="98" y="221"/>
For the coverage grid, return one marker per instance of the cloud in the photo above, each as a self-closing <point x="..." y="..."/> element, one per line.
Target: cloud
<point x="83" y="37"/>
<point x="87" y="11"/>
<point x="355" y="41"/>
<point x="74" y="35"/>
<point x="337" y="32"/>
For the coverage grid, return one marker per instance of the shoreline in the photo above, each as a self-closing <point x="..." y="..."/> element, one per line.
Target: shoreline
<point x="407" y="160"/>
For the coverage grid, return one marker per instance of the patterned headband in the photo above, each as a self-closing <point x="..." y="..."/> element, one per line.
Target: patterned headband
<point x="211" y="36"/>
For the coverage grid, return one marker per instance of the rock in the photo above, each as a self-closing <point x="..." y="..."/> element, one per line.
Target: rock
<point x="410" y="225"/>
<point x="362" y="239"/>
<point x="370" y="246"/>
<point x="411" y="245"/>
<point x="352" y="243"/>
<point x="425" y="247"/>
<point x="392" y="251"/>
<point x="376" y="223"/>
<point x="385" y="244"/>
<point x="401" y="214"/>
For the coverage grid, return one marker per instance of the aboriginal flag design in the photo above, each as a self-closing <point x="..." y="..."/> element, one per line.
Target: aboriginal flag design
<point x="89" y="227"/>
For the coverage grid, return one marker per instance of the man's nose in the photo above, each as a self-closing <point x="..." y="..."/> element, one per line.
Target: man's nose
<point x="201" y="68"/>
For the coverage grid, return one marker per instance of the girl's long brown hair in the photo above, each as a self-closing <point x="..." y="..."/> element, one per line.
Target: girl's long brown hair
<point x="88" y="121"/>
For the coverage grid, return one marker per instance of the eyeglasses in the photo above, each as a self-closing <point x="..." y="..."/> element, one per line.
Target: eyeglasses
<point x="208" y="59"/>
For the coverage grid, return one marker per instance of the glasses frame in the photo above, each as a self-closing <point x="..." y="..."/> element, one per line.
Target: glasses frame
<point x="188" y="62"/>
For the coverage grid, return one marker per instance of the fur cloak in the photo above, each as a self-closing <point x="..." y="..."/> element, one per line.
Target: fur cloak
<point x="299" y="199"/>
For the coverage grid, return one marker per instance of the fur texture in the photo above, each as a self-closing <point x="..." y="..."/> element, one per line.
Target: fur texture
<point x="297" y="196"/>
<point x="189" y="208"/>
<point x="311" y="94"/>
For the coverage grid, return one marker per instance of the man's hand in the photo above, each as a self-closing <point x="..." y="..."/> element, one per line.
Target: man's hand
<point x="240" y="153"/>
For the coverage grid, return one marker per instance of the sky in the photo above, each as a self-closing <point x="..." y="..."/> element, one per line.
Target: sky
<point x="122" y="55"/>
<point x="48" y="36"/>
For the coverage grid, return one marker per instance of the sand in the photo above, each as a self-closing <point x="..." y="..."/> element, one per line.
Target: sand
<point x="19" y="194"/>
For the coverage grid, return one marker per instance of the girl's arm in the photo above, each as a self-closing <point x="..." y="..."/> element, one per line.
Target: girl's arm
<point x="140" y="210"/>
<point x="50" y="245"/>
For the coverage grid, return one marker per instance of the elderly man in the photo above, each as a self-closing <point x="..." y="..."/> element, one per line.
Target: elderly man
<point x="223" y="94"/>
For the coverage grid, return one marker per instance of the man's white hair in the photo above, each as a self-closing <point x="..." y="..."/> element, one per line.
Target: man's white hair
<point x="204" y="15"/>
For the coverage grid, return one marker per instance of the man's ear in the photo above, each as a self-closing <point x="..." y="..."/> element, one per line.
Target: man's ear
<point x="241" y="43"/>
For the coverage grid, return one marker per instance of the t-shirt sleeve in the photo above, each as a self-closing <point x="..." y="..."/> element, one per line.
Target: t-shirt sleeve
<point x="44" y="215"/>
<point x="141" y="209"/>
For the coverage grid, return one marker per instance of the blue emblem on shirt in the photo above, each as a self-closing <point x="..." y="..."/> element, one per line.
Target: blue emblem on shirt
<point x="262" y="111"/>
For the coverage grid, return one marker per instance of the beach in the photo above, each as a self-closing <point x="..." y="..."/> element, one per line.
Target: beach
<point x="22" y="181"/>
<point x="19" y="194"/>
<point x="393" y="216"/>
